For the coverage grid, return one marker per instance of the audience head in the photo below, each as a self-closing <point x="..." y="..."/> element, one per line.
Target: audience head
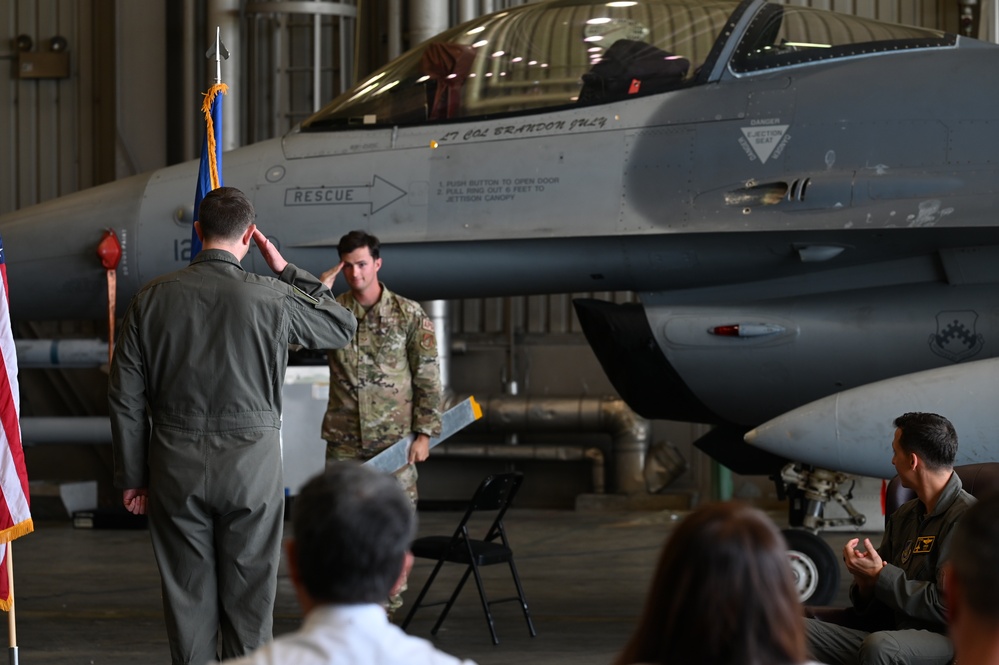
<point x="356" y="240"/>
<point x="971" y="584"/>
<point x="225" y="215"/>
<point x="929" y="436"/>
<point x="723" y="593"/>
<point x="352" y="528"/>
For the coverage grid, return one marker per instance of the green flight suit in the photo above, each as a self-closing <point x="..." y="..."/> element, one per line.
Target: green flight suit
<point x="195" y="403"/>
<point x="906" y="617"/>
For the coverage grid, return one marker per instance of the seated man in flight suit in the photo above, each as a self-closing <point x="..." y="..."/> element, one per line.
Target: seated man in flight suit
<point x="896" y="590"/>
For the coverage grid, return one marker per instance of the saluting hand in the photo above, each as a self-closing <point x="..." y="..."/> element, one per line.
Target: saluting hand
<point x="270" y="253"/>
<point x="330" y="275"/>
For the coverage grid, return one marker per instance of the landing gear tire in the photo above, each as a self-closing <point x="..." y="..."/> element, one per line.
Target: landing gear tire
<point x="816" y="570"/>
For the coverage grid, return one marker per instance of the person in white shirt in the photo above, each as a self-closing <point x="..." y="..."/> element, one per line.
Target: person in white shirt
<point x="352" y="527"/>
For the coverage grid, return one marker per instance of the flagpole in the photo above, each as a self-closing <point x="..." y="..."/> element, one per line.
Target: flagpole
<point x="210" y="169"/>
<point x="218" y="54"/>
<point x="11" y="622"/>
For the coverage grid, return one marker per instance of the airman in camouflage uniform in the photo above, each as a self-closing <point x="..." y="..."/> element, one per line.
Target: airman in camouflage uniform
<point x="385" y="384"/>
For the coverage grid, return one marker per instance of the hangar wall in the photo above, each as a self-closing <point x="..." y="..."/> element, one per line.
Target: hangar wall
<point x="119" y="112"/>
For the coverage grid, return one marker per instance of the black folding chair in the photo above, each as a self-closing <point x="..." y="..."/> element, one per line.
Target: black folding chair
<point x="494" y="494"/>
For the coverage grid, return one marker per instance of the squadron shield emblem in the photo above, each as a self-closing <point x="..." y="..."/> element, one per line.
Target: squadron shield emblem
<point x="907" y="552"/>
<point x="956" y="338"/>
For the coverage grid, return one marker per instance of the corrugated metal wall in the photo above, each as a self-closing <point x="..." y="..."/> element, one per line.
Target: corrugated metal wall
<point x="45" y="151"/>
<point x="63" y="134"/>
<point x="533" y="315"/>
<point x="299" y="61"/>
<point x="914" y="12"/>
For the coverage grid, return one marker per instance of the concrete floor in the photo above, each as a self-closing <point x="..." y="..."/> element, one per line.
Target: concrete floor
<point x="88" y="596"/>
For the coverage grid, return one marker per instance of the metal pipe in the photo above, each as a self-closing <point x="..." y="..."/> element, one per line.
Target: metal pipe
<point x="61" y="352"/>
<point x="279" y="101"/>
<point x="83" y="430"/>
<point x="507" y="414"/>
<point x="426" y="19"/>
<point x="503" y="413"/>
<point x="438" y="311"/>
<point x="394" y="29"/>
<point x="530" y="452"/>
<point x="510" y="386"/>
<point x="629" y="432"/>
<point x="467" y="10"/>
<point x="190" y="65"/>
<point x="348" y="29"/>
<point x="317" y="62"/>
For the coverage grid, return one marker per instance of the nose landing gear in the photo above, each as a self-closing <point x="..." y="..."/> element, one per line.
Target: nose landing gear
<point x="815" y="566"/>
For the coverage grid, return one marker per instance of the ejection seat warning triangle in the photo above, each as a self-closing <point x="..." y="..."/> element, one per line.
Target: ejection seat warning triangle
<point x="763" y="140"/>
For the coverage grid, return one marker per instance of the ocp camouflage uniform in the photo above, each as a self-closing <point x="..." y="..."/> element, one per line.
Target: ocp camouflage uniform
<point x="383" y="385"/>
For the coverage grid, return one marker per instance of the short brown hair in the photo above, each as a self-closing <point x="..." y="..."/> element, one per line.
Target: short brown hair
<point x="225" y="214"/>
<point x="930" y="436"/>
<point x="357" y="240"/>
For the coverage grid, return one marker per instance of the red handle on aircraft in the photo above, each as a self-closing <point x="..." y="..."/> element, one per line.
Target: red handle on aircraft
<point x="109" y="250"/>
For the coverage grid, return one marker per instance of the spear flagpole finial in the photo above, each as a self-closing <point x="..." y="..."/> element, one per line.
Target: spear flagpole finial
<point x="218" y="62"/>
<point x="219" y="52"/>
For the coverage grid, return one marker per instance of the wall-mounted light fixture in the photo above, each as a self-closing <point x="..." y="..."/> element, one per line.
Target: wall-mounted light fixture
<point x="51" y="64"/>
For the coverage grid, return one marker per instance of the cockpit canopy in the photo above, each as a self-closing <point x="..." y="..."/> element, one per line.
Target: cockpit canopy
<point x="569" y="52"/>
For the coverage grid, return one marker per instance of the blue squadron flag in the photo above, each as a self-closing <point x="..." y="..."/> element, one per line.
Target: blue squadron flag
<point x="210" y="171"/>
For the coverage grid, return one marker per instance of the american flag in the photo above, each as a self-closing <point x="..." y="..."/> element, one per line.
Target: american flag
<point x="15" y="511"/>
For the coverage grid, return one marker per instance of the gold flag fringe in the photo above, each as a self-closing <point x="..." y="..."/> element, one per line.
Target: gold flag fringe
<point x="6" y="536"/>
<point x="206" y="108"/>
<point x="20" y="529"/>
